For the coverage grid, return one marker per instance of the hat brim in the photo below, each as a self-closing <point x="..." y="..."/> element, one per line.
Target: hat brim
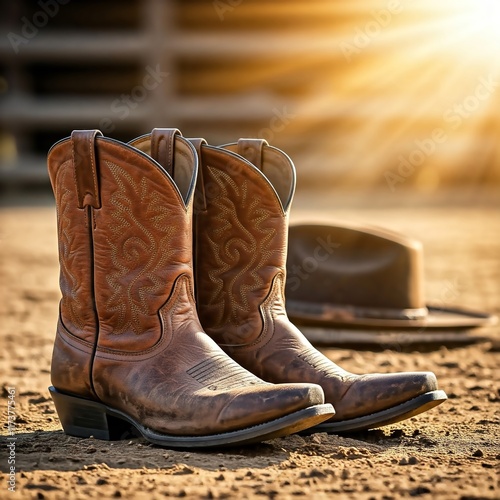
<point x="437" y="318"/>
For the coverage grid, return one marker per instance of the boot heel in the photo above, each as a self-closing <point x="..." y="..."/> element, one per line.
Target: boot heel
<point x="84" y="418"/>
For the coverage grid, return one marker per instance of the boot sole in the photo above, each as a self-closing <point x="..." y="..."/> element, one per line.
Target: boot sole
<point x="392" y="415"/>
<point x="85" y="418"/>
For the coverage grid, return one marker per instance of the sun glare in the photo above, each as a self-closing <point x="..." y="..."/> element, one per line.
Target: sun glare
<point x="415" y="92"/>
<point x="476" y="24"/>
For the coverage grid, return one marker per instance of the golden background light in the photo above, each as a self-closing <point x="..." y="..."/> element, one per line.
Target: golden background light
<point x="391" y="93"/>
<point x="395" y="94"/>
<point x="411" y="97"/>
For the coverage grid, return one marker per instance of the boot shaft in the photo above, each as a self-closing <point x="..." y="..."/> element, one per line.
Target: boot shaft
<point x="124" y="228"/>
<point x="241" y="238"/>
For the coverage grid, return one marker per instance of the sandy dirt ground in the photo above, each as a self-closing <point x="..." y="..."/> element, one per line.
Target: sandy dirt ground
<point x="451" y="452"/>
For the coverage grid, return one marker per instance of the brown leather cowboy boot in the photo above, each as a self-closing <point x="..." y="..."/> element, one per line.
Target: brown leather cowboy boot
<point x="130" y="351"/>
<point x="244" y="196"/>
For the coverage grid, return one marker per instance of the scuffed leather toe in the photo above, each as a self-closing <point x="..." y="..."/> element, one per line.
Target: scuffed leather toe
<point x="273" y="401"/>
<point x="375" y="392"/>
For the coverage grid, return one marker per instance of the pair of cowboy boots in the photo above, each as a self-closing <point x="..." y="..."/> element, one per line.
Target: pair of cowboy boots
<point x="141" y="273"/>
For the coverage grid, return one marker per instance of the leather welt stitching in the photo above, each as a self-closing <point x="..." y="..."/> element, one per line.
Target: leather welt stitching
<point x="93" y="167"/>
<point x="169" y="160"/>
<point x="75" y="176"/>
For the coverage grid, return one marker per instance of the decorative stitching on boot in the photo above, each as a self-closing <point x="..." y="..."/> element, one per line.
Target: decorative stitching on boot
<point x="321" y="364"/>
<point x="246" y="254"/>
<point x="131" y="241"/>
<point x="220" y="373"/>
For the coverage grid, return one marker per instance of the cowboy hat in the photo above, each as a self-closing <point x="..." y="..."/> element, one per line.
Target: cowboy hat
<point x="364" y="277"/>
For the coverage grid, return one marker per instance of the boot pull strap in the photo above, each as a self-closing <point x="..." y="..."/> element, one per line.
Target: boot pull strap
<point x="251" y="149"/>
<point x="84" y="161"/>
<point x="200" y="200"/>
<point x="162" y="147"/>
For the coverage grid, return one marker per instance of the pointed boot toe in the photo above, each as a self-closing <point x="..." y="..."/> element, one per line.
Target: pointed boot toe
<point x="375" y="400"/>
<point x="376" y="391"/>
<point x="279" y="401"/>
